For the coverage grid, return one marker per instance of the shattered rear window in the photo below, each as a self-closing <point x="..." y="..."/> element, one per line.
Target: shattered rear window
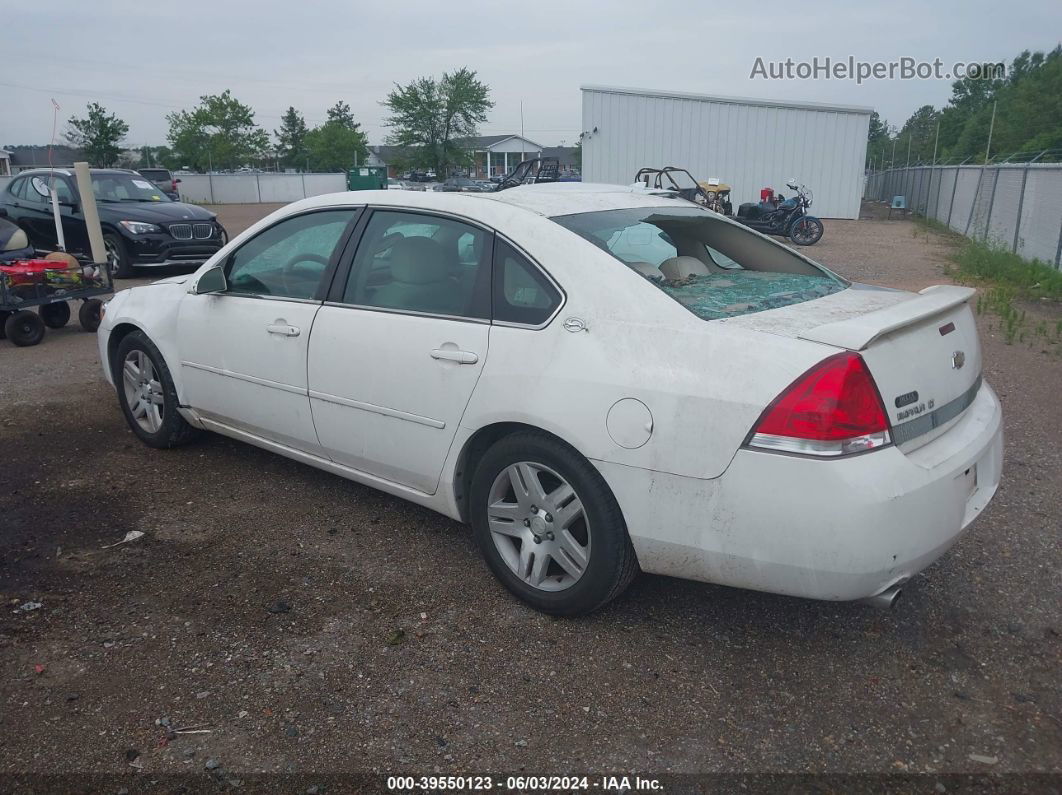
<point x="714" y="268"/>
<point x="741" y="292"/>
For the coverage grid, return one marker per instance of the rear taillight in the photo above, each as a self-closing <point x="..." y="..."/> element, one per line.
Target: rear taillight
<point x="833" y="409"/>
<point x="173" y="185"/>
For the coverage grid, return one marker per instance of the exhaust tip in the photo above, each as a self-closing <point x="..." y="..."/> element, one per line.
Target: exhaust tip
<point x="887" y="599"/>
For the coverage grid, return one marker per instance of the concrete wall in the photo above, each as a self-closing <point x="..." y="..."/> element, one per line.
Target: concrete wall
<point x="255" y="188"/>
<point x="746" y="143"/>
<point x="251" y="188"/>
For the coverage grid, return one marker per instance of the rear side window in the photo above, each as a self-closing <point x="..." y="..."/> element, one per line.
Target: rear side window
<point x="522" y="293"/>
<point x="17" y="187"/>
<point x="427" y="264"/>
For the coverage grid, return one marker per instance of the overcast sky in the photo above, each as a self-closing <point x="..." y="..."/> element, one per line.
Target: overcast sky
<point x="143" y="59"/>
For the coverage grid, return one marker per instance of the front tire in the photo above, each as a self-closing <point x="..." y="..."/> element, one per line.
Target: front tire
<point x="24" y="328"/>
<point x="147" y="395"/>
<point x="117" y="257"/>
<point x="549" y="527"/>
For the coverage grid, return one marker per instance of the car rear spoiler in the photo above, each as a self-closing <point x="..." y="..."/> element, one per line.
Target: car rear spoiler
<point x="858" y="332"/>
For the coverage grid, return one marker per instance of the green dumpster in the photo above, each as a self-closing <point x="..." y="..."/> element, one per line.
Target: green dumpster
<point x="367" y="178"/>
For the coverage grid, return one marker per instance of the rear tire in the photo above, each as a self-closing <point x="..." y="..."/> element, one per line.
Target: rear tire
<point x="55" y="315"/>
<point x="601" y="562"/>
<point x="24" y="328"/>
<point x="147" y="395"/>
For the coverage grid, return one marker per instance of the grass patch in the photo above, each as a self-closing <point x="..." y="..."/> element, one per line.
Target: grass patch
<point x="1005" y="278"/>
<point x="999" y="267"/>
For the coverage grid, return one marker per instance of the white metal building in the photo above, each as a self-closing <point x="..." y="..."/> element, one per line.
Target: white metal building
<point x="747" y="143"/>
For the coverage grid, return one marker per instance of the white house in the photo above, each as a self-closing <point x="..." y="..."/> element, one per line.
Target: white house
<point x="492" y="155"/>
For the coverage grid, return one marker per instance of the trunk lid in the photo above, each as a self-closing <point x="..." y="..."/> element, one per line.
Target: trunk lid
<point x="922" y="349"/>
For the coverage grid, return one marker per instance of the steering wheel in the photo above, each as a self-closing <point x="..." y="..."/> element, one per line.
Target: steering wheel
<point x="287" y="271"/>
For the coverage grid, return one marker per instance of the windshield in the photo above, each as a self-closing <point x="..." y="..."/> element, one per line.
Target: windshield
<point x="714" y="268"/>
<point x="159" y="174"/>
<point x="126" y="188"/>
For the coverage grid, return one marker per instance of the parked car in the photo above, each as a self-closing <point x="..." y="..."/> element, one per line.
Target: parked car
<point x="164" y="178"/>
<point x="399" y="184"/>
<point x="663" y="388"/>
<point x="142" y="227"/>
<point x="459" y="185"/>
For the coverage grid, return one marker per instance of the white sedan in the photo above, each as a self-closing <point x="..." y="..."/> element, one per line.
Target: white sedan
<point x="598" y="379"/>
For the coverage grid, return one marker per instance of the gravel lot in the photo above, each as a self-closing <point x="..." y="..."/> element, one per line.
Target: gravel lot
<point x="314" y="625"/>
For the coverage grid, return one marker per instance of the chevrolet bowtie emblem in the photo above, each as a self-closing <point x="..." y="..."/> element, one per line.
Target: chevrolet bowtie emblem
<point x="958" y="359"/>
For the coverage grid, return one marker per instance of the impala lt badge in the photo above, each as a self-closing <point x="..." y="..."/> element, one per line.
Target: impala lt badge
<point x="958" y="359"/>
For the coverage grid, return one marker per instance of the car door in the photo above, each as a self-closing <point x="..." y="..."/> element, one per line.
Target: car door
<point x="243" y="350"/>
<point x="397" y="349"/>
<point x="35" y="212"/>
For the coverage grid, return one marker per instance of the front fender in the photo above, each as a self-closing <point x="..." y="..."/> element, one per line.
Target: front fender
<point x="154" y="310"/>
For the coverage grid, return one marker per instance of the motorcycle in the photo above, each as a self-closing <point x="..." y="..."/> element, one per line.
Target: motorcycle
<point x="784" y="217"/>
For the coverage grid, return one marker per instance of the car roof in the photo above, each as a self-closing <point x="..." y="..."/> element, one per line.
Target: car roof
<point x="568" y="198"/>
<point x="548" y="199"/>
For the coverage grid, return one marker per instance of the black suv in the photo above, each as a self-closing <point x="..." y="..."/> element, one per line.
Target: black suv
<point x="141" y="226"/>
<point x="164" y="178"/>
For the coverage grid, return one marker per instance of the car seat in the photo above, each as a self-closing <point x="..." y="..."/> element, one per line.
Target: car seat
<point x="677" y="268"/>
<point x="421" y="278"/>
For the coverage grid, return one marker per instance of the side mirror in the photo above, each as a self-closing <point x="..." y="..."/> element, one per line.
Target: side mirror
<point x="213" y="281"/>
<point x="176" y="182"/>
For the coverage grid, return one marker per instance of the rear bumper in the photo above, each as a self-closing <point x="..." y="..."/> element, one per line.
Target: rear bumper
<point x="836" y="530"/>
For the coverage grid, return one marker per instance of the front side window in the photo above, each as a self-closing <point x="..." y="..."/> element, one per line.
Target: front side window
<point x="421" y="263"/>
<point x="714" y="268"/>
<point x="290" y="259"/>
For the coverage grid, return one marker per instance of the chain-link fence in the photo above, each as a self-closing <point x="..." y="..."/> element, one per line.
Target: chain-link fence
<point x="1014" y="206"/>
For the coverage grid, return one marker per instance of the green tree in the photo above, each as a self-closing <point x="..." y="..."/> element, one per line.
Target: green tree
<point x="340" y="113"/>
<point x="430" y="117"/>
<point x="878" y="140"/>
<point x="99" y="135"/>
<point x="219" y="133"/>
<point x="917" y="136"/>
<point x="334" y="146"/>
<point x="291" y="138"/>
<point x="1028" y="111"/>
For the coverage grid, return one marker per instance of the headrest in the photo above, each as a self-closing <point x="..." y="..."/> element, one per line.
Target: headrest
<point x="418" y="260"/>
<point x="14" y="241"/>
<point x="682" y="267"/>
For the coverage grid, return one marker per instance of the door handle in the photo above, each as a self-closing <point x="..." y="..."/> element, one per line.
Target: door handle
<point x="283" y="329"/>
<point x="461" y="357"/>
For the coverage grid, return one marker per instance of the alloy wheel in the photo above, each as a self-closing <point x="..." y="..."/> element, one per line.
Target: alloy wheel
<point x="114" y="258"/>
<point x="539" y="526"/>
<point x="143" y="391"/>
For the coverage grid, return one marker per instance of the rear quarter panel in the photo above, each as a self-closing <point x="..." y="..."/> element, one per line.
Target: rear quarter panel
<point x="704" y="382"/>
